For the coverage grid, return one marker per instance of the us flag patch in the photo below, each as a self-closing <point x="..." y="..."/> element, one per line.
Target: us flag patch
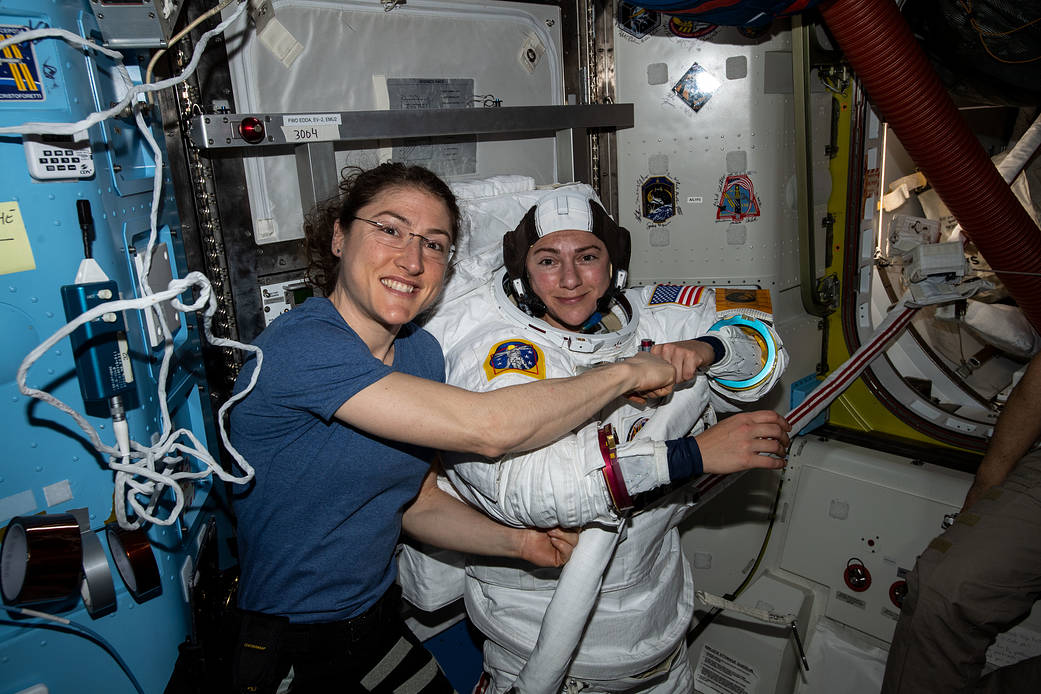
<point x="682" y="294"/>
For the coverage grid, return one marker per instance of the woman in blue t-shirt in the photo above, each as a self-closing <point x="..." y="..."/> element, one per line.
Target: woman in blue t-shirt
<point x="341" y="428"/>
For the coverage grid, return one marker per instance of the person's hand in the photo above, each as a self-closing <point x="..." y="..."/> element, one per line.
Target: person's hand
<point x="654" y="377"/>
<point x="551" y="547"/>
<point x="686" y="357"/>
<point x="735" y="443"/>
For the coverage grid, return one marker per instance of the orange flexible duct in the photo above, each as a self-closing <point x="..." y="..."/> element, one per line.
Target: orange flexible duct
<point x="910" y="97"/>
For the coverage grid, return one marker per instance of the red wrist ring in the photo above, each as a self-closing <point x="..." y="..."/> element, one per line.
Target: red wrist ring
<point x="612" y="475"/>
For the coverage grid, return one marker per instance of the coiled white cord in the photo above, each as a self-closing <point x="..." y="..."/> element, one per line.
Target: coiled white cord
<point x="144" y="473"/>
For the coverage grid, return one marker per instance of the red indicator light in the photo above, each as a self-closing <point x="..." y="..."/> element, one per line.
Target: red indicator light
<point x="897" y="592"/>
<point x="252" y="130"/>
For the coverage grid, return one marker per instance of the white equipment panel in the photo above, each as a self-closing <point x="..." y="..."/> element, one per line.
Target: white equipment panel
<point x="706" y="178"/>
<point x="855" y="505"/>
<point x="356" y="56"/>
<point x="741" y="655"/>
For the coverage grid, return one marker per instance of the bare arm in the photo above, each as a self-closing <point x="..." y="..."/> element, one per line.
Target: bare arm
<point x="1017" y="429"/>
<point x="516" y="418"/>
<point x="441" y="520"/>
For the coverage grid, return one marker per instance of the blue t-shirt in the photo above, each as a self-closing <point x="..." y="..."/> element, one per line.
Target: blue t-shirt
<point x="318" y="526"/>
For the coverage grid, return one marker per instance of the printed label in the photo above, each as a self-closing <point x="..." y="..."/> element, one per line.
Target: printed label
<point x="720" y="673"/>
<point x="847" y="598"/>
<point x="311" y="127"/>
<point x="312" y="119"/>
<point x="311" y="133"/>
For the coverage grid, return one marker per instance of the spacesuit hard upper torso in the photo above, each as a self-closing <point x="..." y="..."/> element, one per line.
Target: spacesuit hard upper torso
<point x="647" y="596"/>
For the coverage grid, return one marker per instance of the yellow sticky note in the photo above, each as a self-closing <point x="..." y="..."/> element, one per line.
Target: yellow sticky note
<point x="16" y="254"/>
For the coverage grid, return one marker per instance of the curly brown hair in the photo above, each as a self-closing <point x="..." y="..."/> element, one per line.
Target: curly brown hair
<point x="358" y="187"/>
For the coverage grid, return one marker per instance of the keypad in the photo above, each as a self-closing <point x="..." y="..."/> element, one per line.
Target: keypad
<point x="49" y="161"/>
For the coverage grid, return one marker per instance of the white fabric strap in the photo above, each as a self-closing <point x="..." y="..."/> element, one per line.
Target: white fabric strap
<point x="898" y="318"/>
<point x="644" y="465"/>
<point x="568" y="612"/>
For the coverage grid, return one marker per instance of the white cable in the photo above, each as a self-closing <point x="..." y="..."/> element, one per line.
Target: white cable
<point x="181" y="34"/>
<point x="146" y="457"/>
<point x="35" y="34"/>
<point x="137" y="467"/>
<point x="133" y="90"/>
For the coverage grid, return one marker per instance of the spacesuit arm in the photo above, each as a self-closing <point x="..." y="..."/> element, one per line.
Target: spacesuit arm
<point x="556" y="485"/>
<point x="747" y="356"/>
<point x="744" y="441"/>
<point x="588" y="477"/>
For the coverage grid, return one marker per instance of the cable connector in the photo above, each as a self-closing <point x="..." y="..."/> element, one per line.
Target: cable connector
<point x="119" y="425"/>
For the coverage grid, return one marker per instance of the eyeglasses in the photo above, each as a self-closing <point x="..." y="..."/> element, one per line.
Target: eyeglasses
<point x="432" y="249"/>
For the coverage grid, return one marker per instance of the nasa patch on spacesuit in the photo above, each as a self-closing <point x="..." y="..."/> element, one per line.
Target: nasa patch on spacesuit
<point x="515" y="356"/>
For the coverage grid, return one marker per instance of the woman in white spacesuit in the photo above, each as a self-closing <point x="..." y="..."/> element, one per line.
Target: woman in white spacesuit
<point x="556" y="308"/>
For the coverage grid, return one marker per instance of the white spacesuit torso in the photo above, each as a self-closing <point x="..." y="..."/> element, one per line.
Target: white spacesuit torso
<point x="646" y="600"/>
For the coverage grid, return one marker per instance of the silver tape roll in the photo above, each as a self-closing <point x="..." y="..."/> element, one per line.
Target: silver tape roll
<point x="97" y="589"/>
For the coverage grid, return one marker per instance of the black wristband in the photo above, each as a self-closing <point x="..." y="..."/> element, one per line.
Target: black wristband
<point x="684" y="459"/>
<point x="717" y="347"/>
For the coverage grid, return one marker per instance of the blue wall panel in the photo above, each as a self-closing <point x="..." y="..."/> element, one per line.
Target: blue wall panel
<point x="44" y="449"/>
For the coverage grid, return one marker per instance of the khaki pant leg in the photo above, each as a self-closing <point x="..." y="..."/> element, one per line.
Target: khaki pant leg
<point x="1023" y="677"/>
<point x="972" y="582"/>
